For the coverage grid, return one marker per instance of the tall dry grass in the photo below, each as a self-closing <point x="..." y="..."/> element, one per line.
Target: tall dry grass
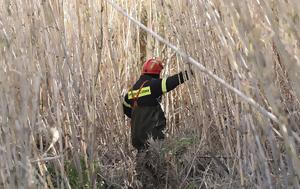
<point x="66" y="64"/>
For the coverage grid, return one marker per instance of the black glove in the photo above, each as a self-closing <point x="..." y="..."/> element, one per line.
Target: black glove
<point x="191" y="70"/>
<point x="188" y="74"/>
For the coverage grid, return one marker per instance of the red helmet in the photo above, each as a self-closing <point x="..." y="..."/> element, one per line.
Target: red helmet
<point x="152" y="66"/>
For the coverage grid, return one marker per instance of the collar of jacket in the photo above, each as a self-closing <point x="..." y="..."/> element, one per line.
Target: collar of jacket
<point x="149" y="76"/>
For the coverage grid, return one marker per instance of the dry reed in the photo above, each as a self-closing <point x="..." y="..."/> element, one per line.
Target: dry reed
<point x="66" y="64"/>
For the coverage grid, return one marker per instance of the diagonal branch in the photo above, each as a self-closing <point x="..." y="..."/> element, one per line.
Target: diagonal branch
<point x="289" y="143"/>
<point x="200" y="66"/>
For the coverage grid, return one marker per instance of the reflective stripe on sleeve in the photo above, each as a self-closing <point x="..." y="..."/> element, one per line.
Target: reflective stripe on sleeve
<point x="144" y="92"/>
<point x="126" y="104"/>
<point x="164" y="85"/>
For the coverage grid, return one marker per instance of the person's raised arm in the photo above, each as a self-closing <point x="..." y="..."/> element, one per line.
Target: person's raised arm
<point x="161" y="86"/>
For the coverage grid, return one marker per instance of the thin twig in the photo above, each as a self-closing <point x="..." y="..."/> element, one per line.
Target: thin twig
<point x="46" y="159"/>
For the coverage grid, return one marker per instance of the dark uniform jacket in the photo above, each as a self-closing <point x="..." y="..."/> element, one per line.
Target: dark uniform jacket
<point x="147" y="117"/>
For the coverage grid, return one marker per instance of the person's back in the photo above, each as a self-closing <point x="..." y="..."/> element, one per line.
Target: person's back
<point x="142" y="103"/>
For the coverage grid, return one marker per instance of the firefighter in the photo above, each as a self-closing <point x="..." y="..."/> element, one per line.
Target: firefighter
<point x="142" y="102"/>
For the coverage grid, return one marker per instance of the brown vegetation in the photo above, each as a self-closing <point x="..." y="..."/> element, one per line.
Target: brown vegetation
<point x="64" y="66"/>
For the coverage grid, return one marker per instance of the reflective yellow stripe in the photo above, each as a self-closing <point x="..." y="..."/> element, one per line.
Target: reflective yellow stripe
<point x="126" y="104"/>
<point x="144" y="92"/>
<point x="164" y="85"/>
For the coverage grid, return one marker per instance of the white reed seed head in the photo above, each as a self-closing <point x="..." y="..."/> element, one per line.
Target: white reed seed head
<point x="55" y="134"/>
